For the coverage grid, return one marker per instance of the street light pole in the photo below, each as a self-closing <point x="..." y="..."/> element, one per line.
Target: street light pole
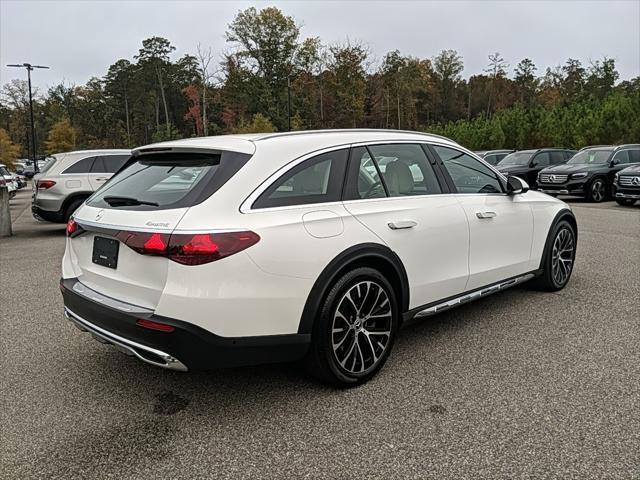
<point x="29" y="68"/>
<point x="289" y="103"/>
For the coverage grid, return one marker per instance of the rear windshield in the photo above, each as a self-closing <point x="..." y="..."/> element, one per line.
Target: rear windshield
<point x="167" y="180"/>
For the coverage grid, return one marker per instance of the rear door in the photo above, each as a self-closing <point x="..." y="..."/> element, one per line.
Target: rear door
<point x="394" y="191"/>
<point x="500" y="225"/>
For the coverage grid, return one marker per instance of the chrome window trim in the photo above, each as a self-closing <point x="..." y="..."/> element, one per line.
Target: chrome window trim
<point x="245" y="206"/>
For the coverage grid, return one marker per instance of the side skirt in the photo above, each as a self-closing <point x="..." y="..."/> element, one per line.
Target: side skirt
<point x="441" y="305"/>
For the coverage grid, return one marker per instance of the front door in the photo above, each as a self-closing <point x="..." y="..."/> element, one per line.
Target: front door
<point x="500" y="225"/>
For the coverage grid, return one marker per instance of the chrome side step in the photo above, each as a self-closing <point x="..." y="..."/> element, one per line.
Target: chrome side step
<point x="468" y="297"/>
<point x="128" y="347"/>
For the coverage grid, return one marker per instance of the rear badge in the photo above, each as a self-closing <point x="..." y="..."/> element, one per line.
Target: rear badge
<point x="157" y="224"/>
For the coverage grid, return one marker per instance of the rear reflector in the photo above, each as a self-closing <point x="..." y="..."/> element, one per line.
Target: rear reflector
<point x="161" y="327"/>
<point x="44" y="184"/>
<point x="189" y="249"/>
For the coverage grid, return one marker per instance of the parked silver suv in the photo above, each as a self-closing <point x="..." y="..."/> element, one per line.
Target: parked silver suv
<point x="68" y="179"/>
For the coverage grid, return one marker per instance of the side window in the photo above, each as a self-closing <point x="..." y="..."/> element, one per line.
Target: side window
<point x="368" y="183"/>
<point x="316" y="180"/>
<point x="405" y="169"/>
<point x="108" y="163"/>
<point x="558" y="158"/>
<point x="634" y="156"/>
<point x="468" y="174"/>
<point x="492" y="159"/>
<point x="621" y="157"/>
<point x="542" y="159"/>
<point x="83" y="166"/>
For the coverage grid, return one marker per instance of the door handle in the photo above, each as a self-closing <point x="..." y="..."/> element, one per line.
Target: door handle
<point x="101" y="179"/>
<point x="486" y="214"/>
<point x="402" y="224"/>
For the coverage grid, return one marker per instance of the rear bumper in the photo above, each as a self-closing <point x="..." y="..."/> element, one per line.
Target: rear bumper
<point x="47" y="215"/>
<point x="188" y="347"/>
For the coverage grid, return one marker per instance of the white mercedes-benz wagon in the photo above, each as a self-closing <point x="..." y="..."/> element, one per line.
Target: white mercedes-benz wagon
<point x="244" y="249"/>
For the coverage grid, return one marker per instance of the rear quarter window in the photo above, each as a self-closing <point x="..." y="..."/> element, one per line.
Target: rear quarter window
<point x="81" y="166"/>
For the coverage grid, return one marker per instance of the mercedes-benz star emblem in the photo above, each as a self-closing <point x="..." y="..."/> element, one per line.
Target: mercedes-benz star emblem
<point x="552" y="178"/>
<point x="635" y="181"/>
<point x="99" y="214"/>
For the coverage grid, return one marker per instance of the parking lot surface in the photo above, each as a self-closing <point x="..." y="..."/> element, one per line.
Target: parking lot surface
<point x="520" y="384"/>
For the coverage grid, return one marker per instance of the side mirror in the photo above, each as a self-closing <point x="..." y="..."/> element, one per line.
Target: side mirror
<point x="614" y="162"/>
<point x="516" y="186"/>
<point x="532" y="164"/>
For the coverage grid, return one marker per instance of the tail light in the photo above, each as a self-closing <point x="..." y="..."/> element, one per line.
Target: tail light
<point x="2" y="182"/>
<point x="73" y="228"/>
<point x="189" y="249"/>
<point x="45" y="184"/>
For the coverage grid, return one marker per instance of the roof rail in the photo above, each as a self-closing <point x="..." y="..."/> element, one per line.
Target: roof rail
<point x="348" y="130"/>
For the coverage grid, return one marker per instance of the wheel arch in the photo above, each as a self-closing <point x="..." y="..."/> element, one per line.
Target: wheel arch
<point x="372" y="255"/>
<point x="71" y="198"/>
<point x="564" y="214"/>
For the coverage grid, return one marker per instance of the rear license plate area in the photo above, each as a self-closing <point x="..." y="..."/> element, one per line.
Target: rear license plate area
<point x="105" y="252"/>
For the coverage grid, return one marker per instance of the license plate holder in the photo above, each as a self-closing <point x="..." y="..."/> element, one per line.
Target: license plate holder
<point x="105" y="252"/>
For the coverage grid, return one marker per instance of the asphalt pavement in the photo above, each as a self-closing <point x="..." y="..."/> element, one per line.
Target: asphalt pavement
<point x="522" y="384"/>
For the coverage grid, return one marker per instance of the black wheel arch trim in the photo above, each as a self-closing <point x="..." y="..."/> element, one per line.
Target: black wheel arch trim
<point x="348" y="257"/>
<point x="72" y="197"/>
<point x="563" y="214"/>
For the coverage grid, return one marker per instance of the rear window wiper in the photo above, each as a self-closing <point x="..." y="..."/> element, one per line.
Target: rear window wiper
<point x="116" y="201"/>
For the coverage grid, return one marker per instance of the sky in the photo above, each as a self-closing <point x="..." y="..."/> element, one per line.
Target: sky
<point x="80" y="39"/>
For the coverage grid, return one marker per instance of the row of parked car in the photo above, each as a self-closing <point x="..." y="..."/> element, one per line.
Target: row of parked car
<point x="596" y="173"/>
<point x="11" y="180"/>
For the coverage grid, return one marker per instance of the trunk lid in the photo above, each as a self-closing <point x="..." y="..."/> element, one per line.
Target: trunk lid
<point x="137" y="211"/>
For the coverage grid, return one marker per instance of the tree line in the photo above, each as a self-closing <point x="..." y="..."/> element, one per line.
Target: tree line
<point x="272" y="79"/>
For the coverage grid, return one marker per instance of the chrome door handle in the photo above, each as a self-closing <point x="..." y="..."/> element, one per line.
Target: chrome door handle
<point x="101" y="179"/>
<point x="486" y="214"/>
<point x="401" y="224"/>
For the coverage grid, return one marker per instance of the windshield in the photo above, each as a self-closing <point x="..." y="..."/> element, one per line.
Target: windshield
<point x="517" y="158"/>
<point x="591" y="157"/>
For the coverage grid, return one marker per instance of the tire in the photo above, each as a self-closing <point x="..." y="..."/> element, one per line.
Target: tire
<point x="558" y="267"/>
<point x="346" y="349"/>
<point x="625" y="202"/>
<point x="72" y="207"/>
<point x="597" y="190"/>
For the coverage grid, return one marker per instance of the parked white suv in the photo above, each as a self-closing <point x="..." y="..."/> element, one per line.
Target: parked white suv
<point x="234" y="250"/>
<point x="68" y="179"/>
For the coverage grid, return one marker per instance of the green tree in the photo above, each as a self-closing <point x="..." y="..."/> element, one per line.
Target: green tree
<point x="9" y="151"/>
<point x="526" y="81"/>
<point x="155" y="54"/>
<point x="259" y="124"/>
<point x="447" y="67"/>
<point x="61" y="137"/>
<point x="266" y="42"/>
